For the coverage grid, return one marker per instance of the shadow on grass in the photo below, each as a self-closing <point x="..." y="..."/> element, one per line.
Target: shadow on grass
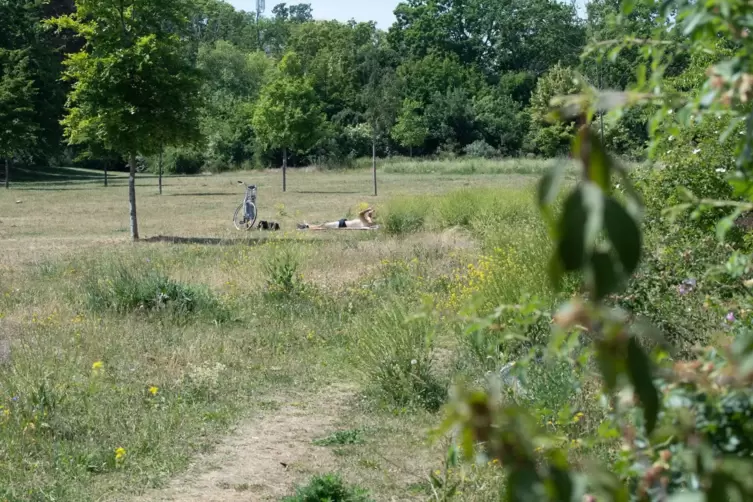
<point x="70" y="175"/>
<point x="54" y="174"/>
<point x="326" y="192"/>
<point x="204" y="194"/>
<point x="262" y="238"/>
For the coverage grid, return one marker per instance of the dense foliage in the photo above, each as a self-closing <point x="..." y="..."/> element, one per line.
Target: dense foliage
<point x="448" y="77"/>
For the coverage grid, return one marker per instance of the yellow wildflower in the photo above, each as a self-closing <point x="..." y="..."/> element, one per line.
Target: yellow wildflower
<point x="98" y="365"/>
<point x="120" y="453"/>
<point x="153" y="390"/>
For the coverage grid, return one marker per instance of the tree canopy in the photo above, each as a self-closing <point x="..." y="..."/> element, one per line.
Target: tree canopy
<point x="445" y="75"/>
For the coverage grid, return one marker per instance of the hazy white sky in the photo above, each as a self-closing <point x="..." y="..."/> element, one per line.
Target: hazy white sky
<point x="342" y="10"/>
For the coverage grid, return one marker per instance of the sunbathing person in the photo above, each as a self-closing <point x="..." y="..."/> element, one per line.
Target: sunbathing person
<point x="365" y="221"/>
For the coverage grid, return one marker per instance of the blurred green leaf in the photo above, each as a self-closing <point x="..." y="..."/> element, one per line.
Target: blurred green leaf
<point x="571" y="248"/>
<point x="604" y="276"/>
<point x="550" y="184"/>
<point x="624" y="234"/>
<point x="608" y="365"/>
<point x="627" y="6"/>
<point x="524" y="485"/>
<point x="640" y="373"/>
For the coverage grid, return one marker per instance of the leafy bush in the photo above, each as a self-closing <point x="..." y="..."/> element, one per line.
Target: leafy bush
<point x="545" y="137"/>
<point x="281" y="265"/>
<point x="672" y="285"/>
<point x="394" y="354"/>
<point x="123" y="290"/>
<point x="480" y="149"/>
<point x="328" y="488"/>
<point x="695" y="160"/>
<point x="177" y="160"/>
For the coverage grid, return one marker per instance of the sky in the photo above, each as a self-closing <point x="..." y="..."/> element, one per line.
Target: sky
<point x="342" y="10"/>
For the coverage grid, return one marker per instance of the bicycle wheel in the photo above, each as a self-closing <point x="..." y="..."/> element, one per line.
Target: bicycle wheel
<point x="241" y="220"/>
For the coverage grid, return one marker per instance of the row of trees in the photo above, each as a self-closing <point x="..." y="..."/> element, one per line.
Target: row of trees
<point x="207" y="87"/>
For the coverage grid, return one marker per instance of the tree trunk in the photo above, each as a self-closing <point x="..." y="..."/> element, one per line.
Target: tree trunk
<point x="284" y="169"/>
<point x="373" y="164"/>
<point x="160" y="172"/>
<point x="132" y="198"/>
<point x="7" y="173"/>
<point x="106" y="164"/>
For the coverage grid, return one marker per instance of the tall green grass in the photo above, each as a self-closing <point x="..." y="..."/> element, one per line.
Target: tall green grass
<point x="125" y="290"/>
<point x="462" y="166"/>
<point x="394" y="353"/>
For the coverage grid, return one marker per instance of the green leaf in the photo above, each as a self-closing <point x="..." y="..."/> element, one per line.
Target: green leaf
<point x="725" y="224"/>
<point x="524" y="485"/>
<point x="608" y="365"/>
<point x="571" y="248"/>
<point x="624" y="235"/>
<point x="593" y="201"/>
<point x="639" y="371"/>
<point x="562" y="484"/>
<point x="597" y="163"/>
<point x="696" y="20"/>
<point x="556" y="271"/>
<point x="605" y="279"/>
<point x="550" y="184"/>
<point x="627" y="6"/>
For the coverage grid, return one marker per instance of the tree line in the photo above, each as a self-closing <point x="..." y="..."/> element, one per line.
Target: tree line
<point x="198" y="85"/>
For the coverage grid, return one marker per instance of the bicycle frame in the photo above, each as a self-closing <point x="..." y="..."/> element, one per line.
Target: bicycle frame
<point x="250" y="197"/>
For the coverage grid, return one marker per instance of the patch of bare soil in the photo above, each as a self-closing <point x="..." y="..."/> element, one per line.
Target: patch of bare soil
<point x="265" y="457"/>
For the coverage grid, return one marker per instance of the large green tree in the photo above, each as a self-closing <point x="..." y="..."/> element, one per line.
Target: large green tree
<point x="135" y="90"/>
<point x="234" y="80"/>
<point x="42" y="51"/>
<point x="500" y="36"/>
<point x="288" y="114"/>
<point x="18" y="127"/>
<point x="410" y="130"/>
<point x="547" y="137"/>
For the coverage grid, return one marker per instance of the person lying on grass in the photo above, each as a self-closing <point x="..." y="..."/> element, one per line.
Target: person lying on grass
<point x="365" y="221"/>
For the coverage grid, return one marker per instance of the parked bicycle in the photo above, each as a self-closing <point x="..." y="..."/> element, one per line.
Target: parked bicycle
<point x="245" y="216"/>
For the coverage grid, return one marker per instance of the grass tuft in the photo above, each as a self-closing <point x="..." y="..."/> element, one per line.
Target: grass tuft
<point x="330" y="488"/>
<point x="118" y="288"/>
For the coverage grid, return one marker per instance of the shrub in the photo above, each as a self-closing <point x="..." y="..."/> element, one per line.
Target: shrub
<point x="281" y="266"/>
<point x="123" y="290"/>
<point x="693" y="159"/>
<point x="460" y="208"/>
<point x="329" y="488"/>
<point x="545" y="137"/>
<point x="480" y="149"/>
<point x="671" y="286"/>
<point x="177" y="160"/>
<point x="405" y="215"/>
<point x="394" y="353"/>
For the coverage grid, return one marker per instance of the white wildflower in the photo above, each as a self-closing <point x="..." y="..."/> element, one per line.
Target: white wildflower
<point x="721" y="170"/>
<point x="696" y="151"/>
<point x="413" y="362"/>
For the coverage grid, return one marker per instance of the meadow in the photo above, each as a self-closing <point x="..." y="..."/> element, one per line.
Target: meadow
<point x="202" y="363"/>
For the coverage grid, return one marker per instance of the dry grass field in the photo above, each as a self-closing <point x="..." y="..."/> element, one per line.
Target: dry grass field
<point x="203" y="363"/>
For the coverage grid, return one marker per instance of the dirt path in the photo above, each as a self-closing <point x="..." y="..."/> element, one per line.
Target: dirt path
<point x="265" y="457"/>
